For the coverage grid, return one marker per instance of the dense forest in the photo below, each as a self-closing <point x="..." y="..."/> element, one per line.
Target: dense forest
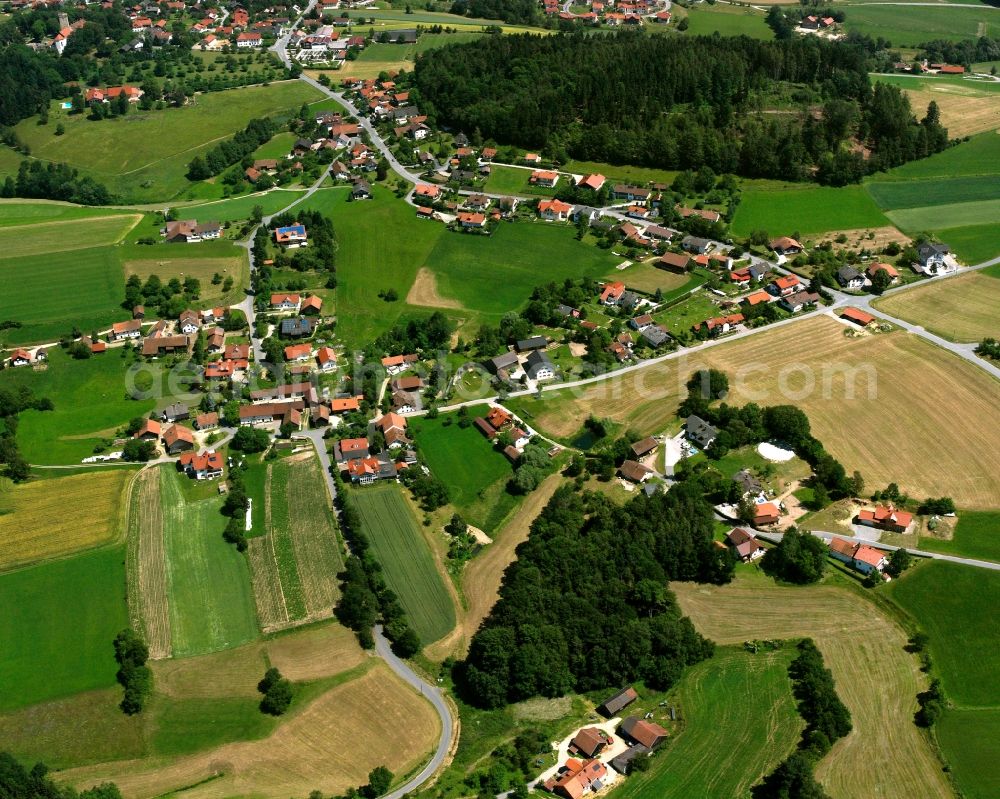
<point x="686" y="103"/>
<point x="585" y="606"/>
<point x="17" y="782"/>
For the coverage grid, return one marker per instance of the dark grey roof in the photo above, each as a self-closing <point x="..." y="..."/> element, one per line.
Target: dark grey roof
<point x="747" y="482"/>
<point x="564" y="310"/>
<point x="654" y="335"/>
<point x="929" y="248"/>
<point x="504" y="361"/>
<point x="537" y="361"/>
<point x="533" y="343"/>
<point x="296" y="327"/>
<point x="758" y="270"/>
<point x="693" y="242"/>
<point x="700" y="431"/>
<point x="620" y="763"/>
<point x="629" y="299"/>
<point x="847" y="273"/>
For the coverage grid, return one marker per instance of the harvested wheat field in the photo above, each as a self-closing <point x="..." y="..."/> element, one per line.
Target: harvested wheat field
<point x="875" y="677"/>
<point x="875" y="402"/>
<point x="146" y="565"/>
<point x="312" y="653"/>
<point x="329" y="745"/>
<point x="963" y="308"/>
<point x="482" y="576"/>
<point x="424" y="291"/>
<point x="36" y="522"/>
<point x="965" y="110"/>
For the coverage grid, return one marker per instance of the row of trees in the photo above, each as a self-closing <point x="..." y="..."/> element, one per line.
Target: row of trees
<point x="13" y="400"/>
<point x="50" y="181"/>
<point x="133" y="674"/>
<point x="827" y="721"/>
<point x="229" y="152"/>
<point x="695" y="104"/>
<point x="585" y="605"/>
<point x="18" y="782"/>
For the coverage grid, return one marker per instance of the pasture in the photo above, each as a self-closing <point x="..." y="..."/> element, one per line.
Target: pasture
<point x="406" y="559"/>
<point x="467" y="463"/>
<point x="938" y="217"/>
<point x="43" y="238"/>
<point x="34" y="525"/>
<point x="152" y="148"/>
<point x="55" y="292"/>
<point x="622" y="173"/>
<point x="813" y="365"/>
<point x="58" y="623"/>
<point x="514" y="180"/>
<point x="200" y="261"/>
<point x="783" y="209"/>
<point x="491" y="275"/>
<point x="238" y="208"/>
<point x="327" y="743"/>
<point x="962" y="308"/>
<point x="875" y="677"/>
<point x="692" y="763"/>
<point x="978" y="156"/>
<point x="14" y="212"/>
<point x="896" y="194"/>
<point x="211" y="601"/>
<point x="89" y="405"/>
<point x="394" y="258"/>
<point x="922" y="23"/>
<point x="646" y="277"/>
<point x="727" y="21"/>
<point x="947" y="600"/>
<point x="384" y="57"/>
<point x="971" y="741"/>
<point x="294" y="565"/>
<point x="973" y="244"/>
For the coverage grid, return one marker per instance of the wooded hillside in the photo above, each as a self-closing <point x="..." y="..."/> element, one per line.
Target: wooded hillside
<point x="780" y="109"/>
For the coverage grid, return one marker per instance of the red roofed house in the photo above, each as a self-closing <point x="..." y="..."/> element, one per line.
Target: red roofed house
<point x="312" y="304"/>
<point x="285" y="302"/>
<point x="589" y="742"/>
<point x="766" y="513"/>
<point x="885" y="517"/>
<point x="592" y="182"/>
<point x="150" y="430"/>
<point x="611" y="293"/>
<point x="577" y="778"/>
<point x="430" y="192"/>
<point x="889" y="269"/>
<point x="298" y="352"/>
<point x="541" y="177"/>
<point x="344" y="404"/>
<point x="718" y="325"/>
<point x="643" y="732"/>
<point x="554" y="210"/>
<point x="206" y="421"/>
<point x="469" y="219"/>
<point x="177" y="438"/>
<point x="249" y="39"/>
<point x="745" y="544"/>
<point x="126" y="330"/>
<point x="785" y="285"/>
<point x="757" y="298"/>
<point x="857" y="316"/>
<point x="393" y="427"/>
<point x="348" y="449"/>
<point x="326" y="358"/>
<point x="20" y="357"/>
<point x="786" y="245"/>
<point x="206" y="466"/>
<point x="861" y="557"/>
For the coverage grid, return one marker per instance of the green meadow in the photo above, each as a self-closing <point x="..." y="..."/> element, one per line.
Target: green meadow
<point x="239" y="208"/>
<point x="89" y="400"/>
<point x="939" y="217"/>
<point x="468" y="464"/>
<point x="726" y="745"/>
<point x="781" y="209"/>
<point x="57" y="627"/>
<point x="211" y="601"/>
<point x="406" y="559"/>
<point x="973" y="244"/>
<point x="980" y="155"/>
<point x="32" y="212"/>
<point x="152" y="148"/>
<point x="727" y="21"/>
<point x="897" y="194"/>
<point x="971" y="740"/>
<point x="918" y="24"/>
<point x="977" y="535"/>
<point x="952" y="603"/>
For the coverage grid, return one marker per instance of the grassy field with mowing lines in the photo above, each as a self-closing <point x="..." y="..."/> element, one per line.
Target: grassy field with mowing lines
<point x="646" y="277"/>
<point x="962" y="308"/>
<point x="937" y="217"/>
<point x="896" y="419"/>
<point x="625" y="173"/>
<point x="201" y="261"/>
<point x="693" y="763"/>
<point x="921" y="24"/>
<point x="33" y="212"/>
<point x="34" y="524"/>
<point x="896" y="194"/>
<point x="973" y="244"/>
<point x="329" y="743"/>
<point x="43" y="238"/>
<point x="239" y="207"/>
<point x="727" y="21"/>
<point x="875" y="677"/>
<point x="807" y="209"/>
<point x="146" y="565"/>
<point x="461" y="458"/>
<point x="211" y="602"/>
<point x="406" y="559"/>
<point x="978" y="156"/>
<point x="152" y="148"/>
<point x="89" y="404"/>
<point x="977" y="535"/>
<point x="57" y="291"/>
<point x="80" y="604"/>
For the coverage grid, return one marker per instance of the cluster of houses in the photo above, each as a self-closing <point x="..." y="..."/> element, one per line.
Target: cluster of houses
<point x="527" y="361"/>
<point x="236" y="30"/>
<point x="325" y="43"/>
<point x="599" y="759"/>
<point x="499" y="421"/>
<point x="926" y="68"/>
<point x="613" y="13"/>
<point x="358" y="464"/>
<point x="27" y="357"/>
<point x="190" y="231"/>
